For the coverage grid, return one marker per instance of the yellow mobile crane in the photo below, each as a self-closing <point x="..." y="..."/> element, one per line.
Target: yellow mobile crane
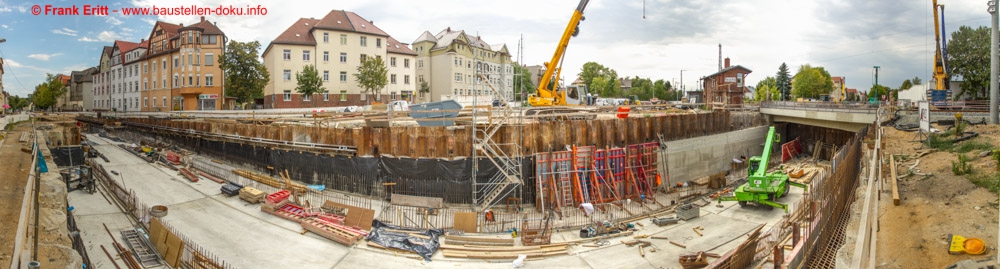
<point x="546" y="96"/>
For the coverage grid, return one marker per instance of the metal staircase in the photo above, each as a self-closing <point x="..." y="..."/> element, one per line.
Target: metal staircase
<point x="505" y="155"/>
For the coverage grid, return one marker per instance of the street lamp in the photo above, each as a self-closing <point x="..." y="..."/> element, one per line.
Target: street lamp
<point x="3" y="40"/>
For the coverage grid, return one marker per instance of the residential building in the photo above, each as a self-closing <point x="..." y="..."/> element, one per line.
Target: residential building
<point x="82" y="85"/>
<point x="120" y="76"/>
<point x="837" y="94"/>
<point x="335" y="44"/>
<point x="102" y="86"/>
<point x="536" y="72"/>
<point x="63" y="101"/>
<point x="451" y="62"/>
<point x="133" y="61"/>
<point x="726" y="86"/>
<point x="626" y="84"/>
<point x="180" y="70"/>
<point x="4" y="104"/>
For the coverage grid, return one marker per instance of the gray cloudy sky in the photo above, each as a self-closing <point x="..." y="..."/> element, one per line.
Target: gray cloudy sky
<point x="847" y="37"/>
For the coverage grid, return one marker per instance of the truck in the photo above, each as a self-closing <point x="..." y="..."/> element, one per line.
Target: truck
<point x="762" y="187"/>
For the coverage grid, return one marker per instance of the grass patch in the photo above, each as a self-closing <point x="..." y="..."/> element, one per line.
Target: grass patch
<point x="990" y="182"/>
<point x="939" y="142"/>
<point x="973" y="145"/>
<point x="962" y="167"/>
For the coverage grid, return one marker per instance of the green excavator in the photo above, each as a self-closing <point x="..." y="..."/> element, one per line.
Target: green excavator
<point x="762" y="187"/>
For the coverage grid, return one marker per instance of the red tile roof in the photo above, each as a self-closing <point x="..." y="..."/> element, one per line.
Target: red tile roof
<point x="64" y="79"/>
<point x="124" y="46"/>
<point x="849" y="90"/>
<point x="298" y="33"/>
<point x="394" y="46"/>
<point x="838" y="80"/>
<point x="335" y="20"/>
<point x="364" y="26"/>
<point x="208" y="27"/>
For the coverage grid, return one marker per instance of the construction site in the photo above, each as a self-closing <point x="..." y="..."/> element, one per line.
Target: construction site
<point x="656" y="187"/>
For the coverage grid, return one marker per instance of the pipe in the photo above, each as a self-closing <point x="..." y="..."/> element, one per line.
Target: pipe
<point x="994" y="65"/>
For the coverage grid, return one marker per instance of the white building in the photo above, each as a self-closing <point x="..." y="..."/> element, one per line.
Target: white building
<point x="132" y="75"/>
<point x="100" y="98"/>
<point x="120" y="97"/>
<point x="451" y="63"/>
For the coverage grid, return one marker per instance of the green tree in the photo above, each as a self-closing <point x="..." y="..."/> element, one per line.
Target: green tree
<point x="811" y="82"/>
<point x="309" y="82"/>
<point x="17" y="102"/>
<point x="662" y="91"/>
<point x="523" y="84"/>
<point x="245" y="75"/>
<point x="783" y="82"/>
<point x="424" y="88"/>
<point x="880" y="89"/>
<point x="610" y="84"/>
<point x="642" y="88"/>
<point x="968" y="57"/>
<point x="590" y="70"/>
<point x="45" y="94"/>
<point x="371" y="76"/>
<point x="916" y="81"/>
<point x="767" y="86"/>
<point x="907" y="84"/>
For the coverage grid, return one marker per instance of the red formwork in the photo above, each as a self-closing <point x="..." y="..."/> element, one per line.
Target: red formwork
<point x="616" y="164"/>
<point x="582" y="176"/>
<point x="790" y="150"/>
<point x="553" y="171"/>
<point x="642" y="159"/>
<point x="603" y="184"/>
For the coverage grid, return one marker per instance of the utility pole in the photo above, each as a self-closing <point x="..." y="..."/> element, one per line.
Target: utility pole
<point x="875" y="87"/>
<point x="682" y="79"/>
<point x="994" y="63"/>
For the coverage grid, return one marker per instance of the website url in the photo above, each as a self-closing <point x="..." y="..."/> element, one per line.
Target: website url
<point x="221" y="10"/>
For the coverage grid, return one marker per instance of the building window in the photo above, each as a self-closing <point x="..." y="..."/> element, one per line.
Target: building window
<point x="392" y="78"/>
<point x="209" y="80"/>
<point x="305" y="97"/>
<point x="406" y="79"/>
<point x="177" y="81"/>
<point x="393" y="95"/>
<point x="343" y="96"/>
<point x="343" y="57"/>
<point x="326" y="75"/>
<point x="363" y="58"/>
<point x="287" y="74"/>
<point x="364" y="41"/>
<point x="420" y="78"/>
<point x="343" y="39"/>
<point x="326" y="56"/>
<point x="177" y="62"/>
<point x="287" y="55"/>
<point x="305" y="55"/>
<point x="164" y="101"/>
<point x="343" y="76"/>
<point x="164" y="62"/>
<point x="326" y="37"/>
<point x="392" y="61"/>
<point x="406" y="63"/>
<point x="326" y="96"/>
<point x="288" y="96"/>
<point x="209" y="59"/>
<point x="420" y="63"/>
<point x="458" y="77"/>
<point x="145" y="102"/>
<point x="378" y="42"/>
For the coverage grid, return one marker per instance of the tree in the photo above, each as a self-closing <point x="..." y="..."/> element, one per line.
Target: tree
<point x="767" y="86"/>
<point x="371" y="76"/>
<point x="783" y="82"/>
<point x="642" y="88"/>
<point x="424" y="88"/>
<point x="45" y="94"/>
<point x="17" y="102"/>
<point x="880" y="89"/>
<point x="592" y="70"/>
<point x="662" y="90"/>
<point x="968" y="57"/>
<point x="811" y="82"/>
<point x="916" y="81"/>
<point x="245" y="75"/>
<point x="907" y="84"/>
<point x="523" y="84"/>
<point x="309" y="82"/>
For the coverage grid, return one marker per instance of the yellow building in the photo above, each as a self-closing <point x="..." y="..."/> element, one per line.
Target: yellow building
<point x="451" y="62"/>
<point x="335" y="45"/>
<point x="180" y="70"/>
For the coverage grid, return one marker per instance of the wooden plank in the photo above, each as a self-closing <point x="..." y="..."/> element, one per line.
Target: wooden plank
<point x="466" y="222"/>
<point x="418" y="201"/>
<point x="892" y="172"/>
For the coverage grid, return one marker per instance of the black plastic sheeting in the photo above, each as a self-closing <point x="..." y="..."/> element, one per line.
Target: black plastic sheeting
<point x="450" y="180"/>
<point x="403" y="241"/>
<point x="67" y="156"/>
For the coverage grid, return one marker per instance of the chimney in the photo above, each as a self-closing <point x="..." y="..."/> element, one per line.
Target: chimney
<point x="449" y="28"/>
<point x="720" y="56"/>
<point x="202" y="18"/>
<point x="182" y="25"/>
<point x="727" y="62"/>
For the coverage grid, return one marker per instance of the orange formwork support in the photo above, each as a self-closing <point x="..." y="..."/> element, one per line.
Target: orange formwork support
<point x="603" y="183"/>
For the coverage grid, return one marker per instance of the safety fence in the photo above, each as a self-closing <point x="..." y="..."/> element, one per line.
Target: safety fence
<point x="191" y="253"/>
<point x="816" y="224"/>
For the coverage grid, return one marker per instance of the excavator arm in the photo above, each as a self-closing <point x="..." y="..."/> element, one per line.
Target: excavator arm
<point x="545" y="96"/>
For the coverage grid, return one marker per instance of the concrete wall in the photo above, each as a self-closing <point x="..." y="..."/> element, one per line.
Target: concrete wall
<point x="692" y="158"/>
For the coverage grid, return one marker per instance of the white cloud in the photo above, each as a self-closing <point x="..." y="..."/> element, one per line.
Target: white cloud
<point x="8" y="62"/>
<point x="105" y="36"/>
<point x="4" y="26"/>
<point x="43" y="57"/>
<point x="113" y="21"/>
<point x="63" y="31"/>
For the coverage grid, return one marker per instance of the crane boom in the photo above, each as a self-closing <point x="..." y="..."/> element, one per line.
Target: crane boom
<point x="765" y="156"/>
<point x="545" y="96"/>
<point x="940" y="70"/>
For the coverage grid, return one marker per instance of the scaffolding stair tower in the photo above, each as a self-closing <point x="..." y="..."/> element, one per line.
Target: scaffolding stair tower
<point x="505" y="154"/>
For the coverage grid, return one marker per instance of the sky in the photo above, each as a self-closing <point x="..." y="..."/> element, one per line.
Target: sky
<point x="657" y="39"/>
